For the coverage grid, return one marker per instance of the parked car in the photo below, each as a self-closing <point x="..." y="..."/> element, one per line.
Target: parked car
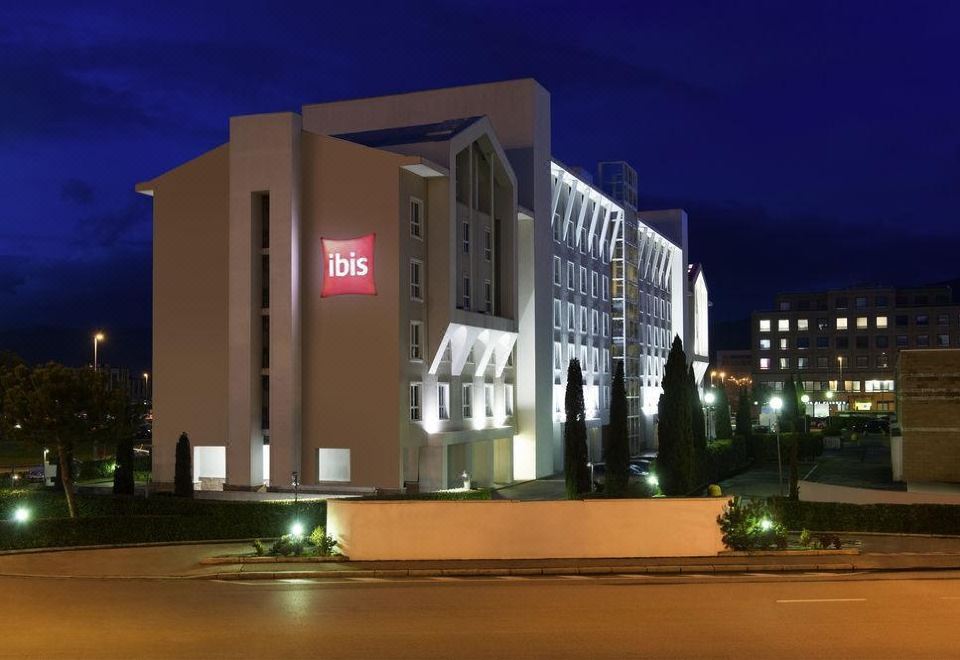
<point x="36" y="473"/>
<point x="877" y="426"/>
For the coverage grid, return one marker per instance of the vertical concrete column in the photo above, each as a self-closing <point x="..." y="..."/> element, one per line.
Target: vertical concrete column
<point x="264" y="158"/>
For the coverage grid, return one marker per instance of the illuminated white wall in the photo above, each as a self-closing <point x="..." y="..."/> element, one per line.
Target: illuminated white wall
<point x="209" y="462"/>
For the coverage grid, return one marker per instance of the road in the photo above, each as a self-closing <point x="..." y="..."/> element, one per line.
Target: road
<point x="914" y="616"/>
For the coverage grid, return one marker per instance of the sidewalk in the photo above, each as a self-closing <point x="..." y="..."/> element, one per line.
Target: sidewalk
<point x="876" y="553"/>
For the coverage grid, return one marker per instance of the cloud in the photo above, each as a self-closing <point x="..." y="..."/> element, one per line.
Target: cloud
<point x="76" y="191"/>
<point x="11" y="278"/>
<point x="108" y="229"/>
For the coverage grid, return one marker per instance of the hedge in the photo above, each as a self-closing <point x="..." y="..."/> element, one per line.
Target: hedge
<point x="725" y="458"/>
<point x="888" y="518"/>
<point x="103" y="468"/>
<point x="160" y="518"/>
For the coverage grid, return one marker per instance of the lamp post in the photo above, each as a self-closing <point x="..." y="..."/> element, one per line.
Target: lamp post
<point x="712" y="374"/>
<point x="805" y="399"/>
<point x="777" y="403"/>
<point x="840" y="382"/>
<point x="708" y="399"/>
<point x="146" y="386"/>
<point x="97" y="338"/>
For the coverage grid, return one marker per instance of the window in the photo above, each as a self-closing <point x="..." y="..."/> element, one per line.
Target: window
<point x="557" y="355"/>
<point x="784" y="305"/>
<point x="862" y="361"/>
<point x="508" y="399"/>
<point x="488" y="296"/>
<point x="943" y="319"/>
<point x="594" y="284"/>
<point x="764" y="344"/>
<point x="803" y="305"/>
<point x="416" y="340"/>
<point x="416" y="280"/>
<point x="605" y="363"/>
<point x="557" y="228"/>
<point x="488" y="399"/>
<point x="784" y="363"/>
<point x="571" y="317"/>
<point x="823" y="342"/>
<point x="784" y="343"/>
<point x="583" y="241"/>
<point x="583" y="279"/>
<point x="443" y="400"/>
<point x="921" y="300"/>
<point x="557" y="271"/>
<point x="415" y="401"/>
<point x="416" y="218"/>
<point x="466" y="292"/>
<point x="557" y="314"/>
<point x="860" y="302"/>
<point x="466" y="401"/>
<point x="902" y="341"/>
<point x="595" y="359"/>
<point x="880" y="301"/>
<point x="882" y="341"/>
<point x="922" y="319"/>
<point x="902" y="320"/>
<point x="803" y="325"/>
<point x="605" y="289"/>
<point x="802" y="362"/>
<point x="333" y="464"/>
<point x="783" y="325"/>
<point x="606" y="324"/>
<point x="882" y="361"/>
<point x="861" y="323"/>
<point x="823" y="324"/>
<point x="571" y="278"/>
<point x="821" y="362"/>
<point x="595" y="322"/>
<point x="265" y="341"/>
<point x="843" y="342"/>
<point x="862" y="341"/>
<point x="265" y="281"/>
<point x="583" y="319"/>
<point x="923" y="341"/>
<point x="487" y="244"/>
<point x="943" y="340"/>
<point x="881" y="322"/>
<point x="840" y="303"/>
<point x="803" y="342"/>
<point x="764" y="364"/>
<point x="764" y="325"/>
<point x="841" y="323"/>
<point x="465" y="235"/>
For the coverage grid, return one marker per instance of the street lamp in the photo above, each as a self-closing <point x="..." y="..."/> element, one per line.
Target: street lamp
<point x="712" y="374"/>
<point x="146" y="386"/>
<point x="97" y="338"/>
<point x="805" y="399"/>
<point x="840" y="382"/>
<point x="708" y="399"/>
<point x="777" y="403"/>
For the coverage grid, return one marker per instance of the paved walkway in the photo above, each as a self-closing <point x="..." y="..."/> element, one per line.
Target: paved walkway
<point x="877" y="552"/>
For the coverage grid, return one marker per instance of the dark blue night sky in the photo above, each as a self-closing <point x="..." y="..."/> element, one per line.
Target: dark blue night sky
<point x="814" y="144"/>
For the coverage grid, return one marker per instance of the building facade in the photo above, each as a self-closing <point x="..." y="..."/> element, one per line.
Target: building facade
<point x="374" y="290"/>
<point x="843" y="344"/>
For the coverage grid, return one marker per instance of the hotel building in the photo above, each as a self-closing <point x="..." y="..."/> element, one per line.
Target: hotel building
<point x="384" y="293"/>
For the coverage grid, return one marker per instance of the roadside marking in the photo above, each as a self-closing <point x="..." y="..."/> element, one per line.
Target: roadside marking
<point x="949" y="597"/>
<point x="367" y="579"/>
<point x="511" y="578"/>
<point x="576" y="577"/>
<point x="821" y="600"/>
<point x="762" y="574"/>
<point x="446" y="578"/>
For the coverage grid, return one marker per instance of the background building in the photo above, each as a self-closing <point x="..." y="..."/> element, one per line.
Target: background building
<point x="843" y="344"/>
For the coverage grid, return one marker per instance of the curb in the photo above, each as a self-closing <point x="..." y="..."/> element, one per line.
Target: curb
<point x="228" y="561"/>
<point x="120" y="546"/>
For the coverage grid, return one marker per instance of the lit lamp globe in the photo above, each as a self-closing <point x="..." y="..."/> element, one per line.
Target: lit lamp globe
<point x="776" y="403"/>
<point x="709" y="398"/>
<point x="829" y="394"/>
<point x="805" y="398"/>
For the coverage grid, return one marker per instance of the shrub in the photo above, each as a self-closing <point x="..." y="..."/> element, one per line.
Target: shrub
<point x="751" y="525"/>
<point x="183" y="468"/>
<point x="886" y="518"/>
<point x="288" y="545"/>
<point x="323" y="544"/>
<point x="258" y="548"/>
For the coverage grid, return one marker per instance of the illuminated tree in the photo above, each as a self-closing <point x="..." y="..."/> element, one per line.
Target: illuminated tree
<point x="576" y="472"/>
<point x="617" y="456"/>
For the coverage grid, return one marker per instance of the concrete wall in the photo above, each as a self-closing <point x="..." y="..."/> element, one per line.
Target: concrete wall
<point x="412" y="530"/>
<point x="189" y="306"/>
<point x="929" y="414"/>
<point x="811" y="491"/>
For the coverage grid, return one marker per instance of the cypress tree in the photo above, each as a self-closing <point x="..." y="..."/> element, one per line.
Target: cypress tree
<point x="675" y="460"/>
<point x="123" y="472"/>
<point x="617" y="455"/>
<point x="744" y="418"/>
<point x="698" y="427"/>
<point x="722" y="415"/>
<point x="576" y="472"/>
<point x="183" y="471"/>
<point x="788" y="413"/>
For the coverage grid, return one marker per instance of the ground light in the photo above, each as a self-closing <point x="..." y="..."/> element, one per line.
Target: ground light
<point x="766" y="524"/>
<point x="652" y="480"/>
<point x="21" y="514"/>
<point x="296" y="530"/>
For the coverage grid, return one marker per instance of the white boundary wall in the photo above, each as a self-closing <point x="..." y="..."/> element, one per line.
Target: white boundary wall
<point x="412" y="530"/>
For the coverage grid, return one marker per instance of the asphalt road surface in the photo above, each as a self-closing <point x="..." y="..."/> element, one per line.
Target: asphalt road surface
<point x="913" y="616"/>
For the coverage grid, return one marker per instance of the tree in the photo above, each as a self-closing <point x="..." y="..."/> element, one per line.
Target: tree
<point x="698" y="427"/>
<point x="183" y="469"/>
<point x="788" y="413"/>
<point x="675" y="457"/>
<point x="576" y="472"/>
<point x="56" y="406"/>
<point x="126" y="416"/>
<point x="617" y="455"/>
<point x="123" y="482"/>
<point x="722" y="414"/>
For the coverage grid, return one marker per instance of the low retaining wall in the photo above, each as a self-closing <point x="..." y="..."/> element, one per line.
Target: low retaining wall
<point x="812" y="491"/>
<point x="507" y="529"/>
